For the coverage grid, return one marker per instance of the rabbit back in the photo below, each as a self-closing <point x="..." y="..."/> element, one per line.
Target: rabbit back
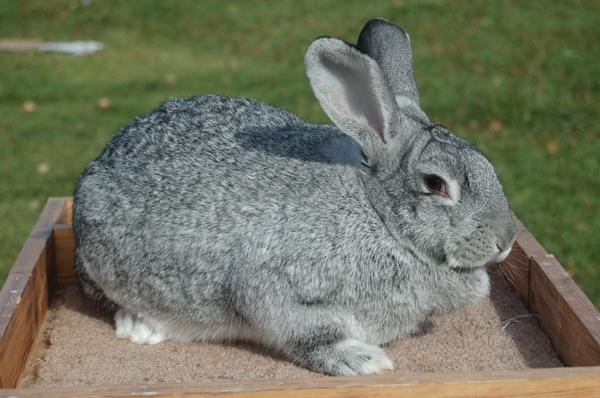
<point x="192" y="197"/>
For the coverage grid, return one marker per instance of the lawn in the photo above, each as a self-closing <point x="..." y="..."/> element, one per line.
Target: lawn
<point x="519" y="79"/>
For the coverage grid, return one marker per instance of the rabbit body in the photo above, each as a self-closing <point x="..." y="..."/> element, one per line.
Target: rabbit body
<point x="222" y="218"/>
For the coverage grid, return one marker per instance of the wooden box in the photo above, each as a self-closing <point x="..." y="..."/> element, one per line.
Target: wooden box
<point x="566" y="314"/>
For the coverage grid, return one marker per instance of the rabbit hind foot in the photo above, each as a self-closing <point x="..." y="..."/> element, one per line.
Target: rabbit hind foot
<point x="137" y="329"/>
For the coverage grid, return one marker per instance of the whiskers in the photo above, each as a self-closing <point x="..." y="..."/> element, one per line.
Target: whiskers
<point x="516" y="318"/>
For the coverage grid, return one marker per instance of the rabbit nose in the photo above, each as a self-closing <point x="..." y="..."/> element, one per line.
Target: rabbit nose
<point x="507" y="236"/>
<point x="504" y="242"/>
<point x="504" y="230"/>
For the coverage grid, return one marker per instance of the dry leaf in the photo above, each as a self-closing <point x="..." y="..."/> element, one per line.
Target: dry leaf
<point x="103" y="103"/>
<point x="43" y="168"/>
<point x="552" y="146"/>
<point x="495" y="126"/>
<point x="29" y="106"/>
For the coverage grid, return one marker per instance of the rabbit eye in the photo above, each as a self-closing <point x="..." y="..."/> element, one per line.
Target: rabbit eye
<point x="436" y="184"/>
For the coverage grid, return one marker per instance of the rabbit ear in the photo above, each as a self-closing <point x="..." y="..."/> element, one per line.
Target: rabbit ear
<point x="389" y="46"/>
<point x="351" y="90"/>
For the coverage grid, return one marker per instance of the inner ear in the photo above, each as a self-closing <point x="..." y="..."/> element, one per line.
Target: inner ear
<point x="353" y="93"/>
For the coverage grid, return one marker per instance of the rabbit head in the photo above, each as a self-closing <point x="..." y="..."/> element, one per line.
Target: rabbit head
<point x="436" y="193"/>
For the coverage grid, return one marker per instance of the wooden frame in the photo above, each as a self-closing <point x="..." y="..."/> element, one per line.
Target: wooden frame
<point x="567" y="315"/>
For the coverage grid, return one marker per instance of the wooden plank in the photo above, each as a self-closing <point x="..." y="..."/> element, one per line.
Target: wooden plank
<point x="565" y="312"/>
<point x="28" y="257"/>
<point x="24" y="297"/>
<point x="547" y="383"/>
<point x="516" y="267"/>
<point x="30" y="311"/>
<point x="66" y="216"/>
<point x="516" y="270"/>
<point x="11" y="345"/>
<point x="64" y="242"/>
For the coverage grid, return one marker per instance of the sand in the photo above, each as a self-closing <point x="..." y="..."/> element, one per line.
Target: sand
<point x="78" y="347"/>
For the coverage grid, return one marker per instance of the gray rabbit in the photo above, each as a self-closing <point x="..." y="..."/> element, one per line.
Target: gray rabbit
<point x="221" y="218"/>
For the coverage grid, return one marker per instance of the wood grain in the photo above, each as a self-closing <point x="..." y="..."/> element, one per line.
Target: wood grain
<point x="564" y="311"/>
<point x="64" y="242"/>
<point x="25" y="294"/>
<point x="66" y="216"/>
<point x="516" y="270"/>
<point x="516" y="267"/>
<point x="547" y="383"/>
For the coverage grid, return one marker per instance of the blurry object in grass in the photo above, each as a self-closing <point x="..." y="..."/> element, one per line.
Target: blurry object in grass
<point x="43" y="168"/>
<point x="170" y="78"/>
<point x="69" y="47"/>
<point x="551" y="147"/>
<point x="73" y="47"/>
<point x="29" y="106"/>
<point x="495" y="126"/>
<point x="20" y="44"/>
<point x="103" y="103"/>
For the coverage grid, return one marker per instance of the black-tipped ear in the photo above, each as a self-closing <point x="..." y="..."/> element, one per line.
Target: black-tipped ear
<point x="389" y="46"/>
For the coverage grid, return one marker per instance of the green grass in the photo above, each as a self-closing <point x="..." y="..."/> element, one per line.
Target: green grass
<point x="519" y="79"/>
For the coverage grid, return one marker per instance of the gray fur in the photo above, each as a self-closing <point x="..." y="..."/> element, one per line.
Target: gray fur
<point x="389" y="46"/>
<point x="222" y="218"/>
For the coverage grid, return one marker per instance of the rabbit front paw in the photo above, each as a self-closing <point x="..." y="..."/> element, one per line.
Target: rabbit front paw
<point x="133" y="327"/>
<point x="347" y="358"/>
<point x="480" y="284"/>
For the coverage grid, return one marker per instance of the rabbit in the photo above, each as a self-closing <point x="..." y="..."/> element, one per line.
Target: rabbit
<point x="222" y="219"/>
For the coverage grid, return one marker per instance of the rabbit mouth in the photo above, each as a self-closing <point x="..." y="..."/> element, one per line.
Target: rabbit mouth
<point x="458" y="261"/>
<point x="455" y="260"/>
<point x="502" y="255"/>
<point x="476" y="250"/>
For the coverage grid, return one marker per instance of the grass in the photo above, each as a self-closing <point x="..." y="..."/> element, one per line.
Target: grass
<point x="519" y="79"/>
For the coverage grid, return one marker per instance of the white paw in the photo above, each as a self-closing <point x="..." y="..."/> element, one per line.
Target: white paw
<point x="481" y="285"/>
<point x="358" y="358"/>
<point x="136" y="329"/>
<point x="124" y="322"/>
